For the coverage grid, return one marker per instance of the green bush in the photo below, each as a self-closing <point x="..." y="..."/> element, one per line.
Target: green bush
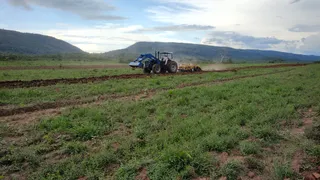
<point x="203" y="163"/>
<point x="254" y="164"/>
<point x="282" y="171"/>
<point x="267" y="133"/>
<point x="17" y="158"/>
<point x="313" y="132"/>
<point x="248" y="147"/>
<point x="314" y="151"/>
<point x="219" y="143"/>
<point x="176" y="159"/>
<point x="92" y="167"/>
<point x="74" y="148"/>
<point x="231" y="170"/>
<point x="81" y="123"/>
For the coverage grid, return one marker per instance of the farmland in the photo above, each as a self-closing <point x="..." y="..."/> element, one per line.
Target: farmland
<point x="116" y="123"/>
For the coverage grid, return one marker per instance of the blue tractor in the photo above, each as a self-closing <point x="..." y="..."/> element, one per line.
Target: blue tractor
<point x="161" y="62"/>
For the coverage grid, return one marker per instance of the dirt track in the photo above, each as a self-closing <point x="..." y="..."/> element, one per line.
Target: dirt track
<point x="63" y="67"/>
<point x="48" y="82"/>
<point x="60" y="104"/>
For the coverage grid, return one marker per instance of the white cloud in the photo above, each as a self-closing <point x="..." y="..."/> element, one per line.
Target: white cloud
<point x="232" y="39"/>
<point x="259" y="19"/>
<point x="105" y="37"/>
<point x="87" y="9"/>
<point x="178" y="28"/>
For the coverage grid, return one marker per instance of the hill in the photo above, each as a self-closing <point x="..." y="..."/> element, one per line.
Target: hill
<point x="27" y="43"/>
<point x="196" y="52"/>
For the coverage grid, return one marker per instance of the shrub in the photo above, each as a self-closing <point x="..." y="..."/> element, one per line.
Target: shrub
<point x="219" y="143"/>
<point x="282" y="171"/>
<point x="74" y="148"/>
<point x="254" y="164"/>
<point x="247" y="147"/>
<point x="267" y="133"/>
<point x="203" y="163"/>
<point x="314" y="151"/>
<point x="232" y="169"/>
<point x="313" y="132"/>
<point x="176" y="159"/>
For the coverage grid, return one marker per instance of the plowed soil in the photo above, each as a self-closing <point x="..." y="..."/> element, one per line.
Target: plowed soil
<point x="49" y="82"/>
<point x="63" y="67"/>
<point x="59" y="104"/>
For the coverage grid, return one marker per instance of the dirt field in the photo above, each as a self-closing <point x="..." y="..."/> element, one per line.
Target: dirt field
<point x="62" y="67"/>
<point x="38" y="83"/>
<point x="258" y="122"/>
<point x="44" y="106"/>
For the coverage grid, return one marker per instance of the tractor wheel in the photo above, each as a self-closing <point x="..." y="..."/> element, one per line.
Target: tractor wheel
<point x="197" y="69"/>
<point x="172" y="67"/>
<point x="156" y="68"/>
<point x="163" y="70"/>
<point x="146" y="71"/>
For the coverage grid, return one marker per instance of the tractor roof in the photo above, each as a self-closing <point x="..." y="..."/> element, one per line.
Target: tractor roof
<point x="166" y="52"/>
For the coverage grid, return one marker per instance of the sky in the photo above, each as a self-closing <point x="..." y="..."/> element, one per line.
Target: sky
<point x="105" y="25"/>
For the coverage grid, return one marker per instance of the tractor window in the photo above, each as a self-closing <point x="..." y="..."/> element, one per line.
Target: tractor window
<point x="166" y="55"/>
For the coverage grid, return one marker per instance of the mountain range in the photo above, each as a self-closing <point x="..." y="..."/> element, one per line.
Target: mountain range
<point x="196" y="52"/>
<point x="14" y="42"/>
<point x="33" y="44"/>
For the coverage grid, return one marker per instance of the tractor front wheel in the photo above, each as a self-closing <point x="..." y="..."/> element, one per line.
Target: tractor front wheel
<point x="172" y="67"/>
<point x="156" y="68"/>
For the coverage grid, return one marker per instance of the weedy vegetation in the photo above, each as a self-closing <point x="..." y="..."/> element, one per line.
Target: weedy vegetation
<point x="178" y="132"/>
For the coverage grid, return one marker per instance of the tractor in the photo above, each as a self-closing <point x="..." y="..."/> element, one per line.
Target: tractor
<point x="160" y="62"/>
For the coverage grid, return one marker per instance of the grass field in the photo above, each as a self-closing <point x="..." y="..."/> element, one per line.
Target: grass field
<point x="32" y="74"/>
<point x="9" y="75"/>
<point x="55" y="62"/>
<point x="171" y="127"/>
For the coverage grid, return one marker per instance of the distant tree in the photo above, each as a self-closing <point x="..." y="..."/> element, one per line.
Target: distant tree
<point x="278" y="60"/>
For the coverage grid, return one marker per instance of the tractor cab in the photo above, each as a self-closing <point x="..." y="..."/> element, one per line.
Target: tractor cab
<point x="165" y="55"/>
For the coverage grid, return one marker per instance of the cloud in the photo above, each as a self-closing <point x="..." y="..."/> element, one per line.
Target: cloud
<point x="311" y="45"/>
<point x="91" y="10"/>
<point x="308" y="45"/>
<point x="182" y="27"/>
<point x="237" y="40"/>
<point x="264" y="24"/>
<point x="305" y="28"/>
<point x="20" y="3"/>
<point x="107" y="37"/>
<point x="257" y="17"/>
<point x="294" y="1"/>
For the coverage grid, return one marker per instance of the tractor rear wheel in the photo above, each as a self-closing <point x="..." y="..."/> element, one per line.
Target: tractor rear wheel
<point x="172" y="67"/>
<point x="156" y="68"/>
<point x="146" y="71"/>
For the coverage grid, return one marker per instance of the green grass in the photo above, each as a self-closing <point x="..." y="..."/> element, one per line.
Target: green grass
<point x="10" y="75"/>
<point x="46" y="62"/>
<point x="173" y="134"/>
<point x="232" y="169"/>
<point x="74" y="148"/>
<point x="282" y="171"/>
<point x="24" y="96"/>
<point x="247" y="147"/>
